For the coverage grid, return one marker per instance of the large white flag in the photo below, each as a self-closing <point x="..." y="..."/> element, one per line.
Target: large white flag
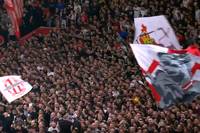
<point x="173" y="75"/>
<point x="155" y="30"/>
<point x="13" y="87"/>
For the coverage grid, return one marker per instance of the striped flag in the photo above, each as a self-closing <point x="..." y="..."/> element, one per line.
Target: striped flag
<point x="173" y="75"/>
<point x="15" y="11"/>
<point x="18" y="5"/>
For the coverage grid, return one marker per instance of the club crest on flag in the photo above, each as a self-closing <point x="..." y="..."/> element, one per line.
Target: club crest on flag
<point x="144" y="37"/>
<point x="155" y="30"/>
<point x="13" y="87"/>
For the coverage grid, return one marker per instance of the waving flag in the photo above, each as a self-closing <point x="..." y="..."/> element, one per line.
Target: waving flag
<point x="173" y="75"/>
<point x="155" y="30"/>
<point x="18" y="7"/>
<point x="13" y="87"/>
<point x="15" y="11"/>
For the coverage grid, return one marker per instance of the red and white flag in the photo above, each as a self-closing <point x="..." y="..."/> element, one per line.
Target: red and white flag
<point x="173" y="75"/>
<point x="155" y="30"/>
<point x="15" y="11"/>
<point x="13" y="87"/>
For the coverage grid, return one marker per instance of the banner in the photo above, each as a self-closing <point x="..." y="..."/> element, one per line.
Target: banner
<point x="155" y="30"/>
<point x="18" y="7"/>
<point x="173" y="75"/>
<point x="15" y="11"/>
<point x="13" y="87"/>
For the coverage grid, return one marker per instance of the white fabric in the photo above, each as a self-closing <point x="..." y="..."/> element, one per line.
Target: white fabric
<point x="159" y="30"/>
<point x="50" y="74"/>
<point x="13" y="87"/>
<point x="51" y="129"/>
<point x="145" y="54"/>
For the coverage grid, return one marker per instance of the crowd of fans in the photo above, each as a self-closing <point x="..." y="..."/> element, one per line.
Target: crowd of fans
<point x="84" y="76"/>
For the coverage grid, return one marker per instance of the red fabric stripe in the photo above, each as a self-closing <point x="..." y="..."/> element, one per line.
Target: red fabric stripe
<point x="154" y="92"/>
<point x="153" y="66"/>
<point x="9" y="5"/>
<point x="143" y="71"/>
<point x="14" y="22"/>
<point x="193" y="50"/>
<point x="10" y="8"/>
<point x="13" y="16"/>
<point x="21" y="10"/>
<point x="185" y="85"/>
<point x="173" y="51"/>
<point x="195" y="68"/>
<point x="16" y="6"/>
<point x="18" y="11"/>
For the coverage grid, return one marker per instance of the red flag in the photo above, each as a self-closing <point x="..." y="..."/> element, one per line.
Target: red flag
<point x="18" y="6"/>
<point x="15" y="11"/>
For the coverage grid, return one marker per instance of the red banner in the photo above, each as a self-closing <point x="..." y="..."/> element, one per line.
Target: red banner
<point x="18" y="7"/>
<point x="15" y="11"/>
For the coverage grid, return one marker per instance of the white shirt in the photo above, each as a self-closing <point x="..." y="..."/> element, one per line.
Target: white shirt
<point x="144" y="12"/>
<point x="77" y="8"/>
<point x="50" y="129"/>
<point x="137" y="11"/>
<point x="197" y="15"/>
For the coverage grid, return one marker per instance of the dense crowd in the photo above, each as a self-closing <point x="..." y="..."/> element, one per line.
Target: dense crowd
<point x="84" y="76"/>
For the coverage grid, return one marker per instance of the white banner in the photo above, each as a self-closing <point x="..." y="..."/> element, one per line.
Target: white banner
<point x="155" y="30"/>
<point x="13" y="87"/>
<point x="145" y="54"/>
